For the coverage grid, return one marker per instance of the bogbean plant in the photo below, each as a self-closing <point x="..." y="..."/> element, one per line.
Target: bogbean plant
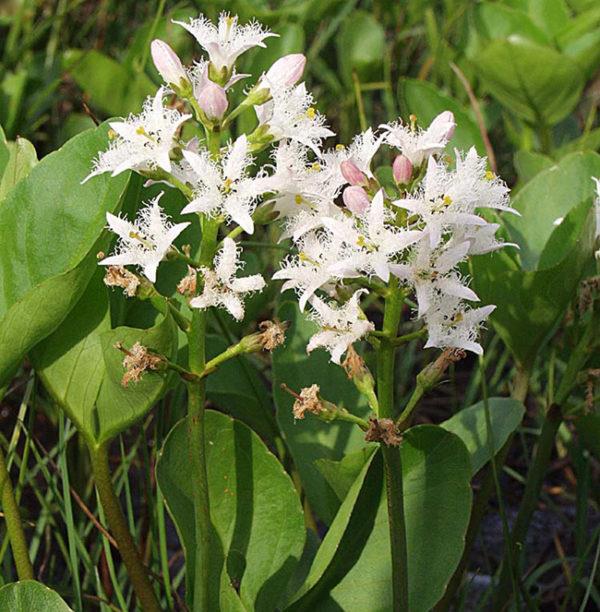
<point x="352" y="237"/>
<point x="396" y="240"/>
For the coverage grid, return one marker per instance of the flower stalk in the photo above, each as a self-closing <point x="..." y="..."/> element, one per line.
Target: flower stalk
<point x="136" y="570"/>
<point x="14" y="526"/>
<point x="391" y="454"/>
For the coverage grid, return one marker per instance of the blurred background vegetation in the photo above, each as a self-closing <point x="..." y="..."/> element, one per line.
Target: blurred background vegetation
<point x="525" y="69"/>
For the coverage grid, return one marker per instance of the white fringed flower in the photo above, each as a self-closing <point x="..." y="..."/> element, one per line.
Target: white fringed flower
<point x="417" y="144"/>
<point x="143" y="142"/>
<point x="222" y="287"/>
<point x="290" y="114"/>
<point x="451" y="325"/>
<point x="300" y="186"/>
<point x="311" y="269"/>
<point x="371" y="239"/>
<point x="145" y="242"/>
<point x="448" y="200"/>
<point x="432" y="275"/>
<point x="225" y="188"/>
<point x="226" y="41"/>
<point x="341" y="325"/>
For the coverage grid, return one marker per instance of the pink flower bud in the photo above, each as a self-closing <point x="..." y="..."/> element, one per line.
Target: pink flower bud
<point x="352" y="173"/>
<point x="356" y="199"/>
<point x="213" y="100"/>
<point x="167" y="63"/>
<point x="287" y="70"/>
<point x="402" y="169"/>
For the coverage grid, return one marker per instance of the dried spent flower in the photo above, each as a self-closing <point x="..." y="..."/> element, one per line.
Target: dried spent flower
<point x="118" y="276"/>
<point x="272" y="334"/>
<point x="187" y="285"/>
<point x="383" y="430"/>
<point x="308" y="401"/>
<point x="137" y="360"/>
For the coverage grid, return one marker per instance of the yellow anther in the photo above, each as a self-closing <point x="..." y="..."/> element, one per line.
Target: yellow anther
<point x="140" y="130"/>
<point x="298" y="199"/>
<point x="339" y="147"/>
<point x="112" y="134"/>
<point x="134" y="235"/>
<point x="311" y="113"/>
<point x="361" y="242"/>
<point x="227" y="184"/>
<point x="316" y="166"/>
<point x="489" y="175"/>
<point x="447" y="200"/>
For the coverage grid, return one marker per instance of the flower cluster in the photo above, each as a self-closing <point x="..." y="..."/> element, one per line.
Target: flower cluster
<point x="415" y="232"/>
<point x="350" y="230"/>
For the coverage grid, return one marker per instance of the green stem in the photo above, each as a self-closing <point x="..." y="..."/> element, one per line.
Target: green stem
<point x="391" y="455"/>
<point x="533" y="487"/>
<point x="136" y="570"/>
<point x="196" y="429"/>
<point x="14" y="526"/>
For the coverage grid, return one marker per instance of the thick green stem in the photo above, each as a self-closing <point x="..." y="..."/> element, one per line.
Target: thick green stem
<point x="391" y="455"/>
<point x="136" y="570"/>
<point x="533" y="487"/>
<point x="196" y="430"/>
<point x="14" y="527"/>
<point x="481" y="501"/>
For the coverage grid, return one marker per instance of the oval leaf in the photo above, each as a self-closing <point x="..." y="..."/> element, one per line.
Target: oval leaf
<point x="80" y="367"/>
<point x="30" y="596"/>
<point x="471" y="427"/>
<point x="254" y="507"/>
<point x="51" y="228"/>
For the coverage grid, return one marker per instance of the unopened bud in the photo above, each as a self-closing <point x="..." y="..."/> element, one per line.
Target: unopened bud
<point x="431" y="374"/>
<point x="187" y="285"/>
<point x="352" y="173"/>
<point x="445" y="124"/>
<point x="213" y="101"/>
<point x="356" y="199"/>
<point x="287" y="70"/>
<point x="167" y="63"/>
<point x="402" y="169"/>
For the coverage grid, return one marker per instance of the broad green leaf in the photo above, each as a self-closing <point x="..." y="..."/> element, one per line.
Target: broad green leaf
<point x="52" y="226"/>
<point x="30" y="596"/>
<point x="22" y="158"/>
<point x="470" y="426"/>
<point x="589" y="141"/>
<point x="312" y="439"/>
<point x="529" y="304"/>
<point x="82" y="369"/>
<point x="494" y="21"/>
<point x="254" y="508"/>
<point x="426" y="101"/>
<point x="580" y="40"/>
<point x="528" y="164"/>
<point x="536" y="82"/>
<point x="437" y="471"/>
<point x="345" y="538"/>
<point x="549" y="196"/>
<point x="342" y="474"/>
<point x="550" y="15"/>
<point x="361" y="46"/>
<point x="113" y="88"/>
